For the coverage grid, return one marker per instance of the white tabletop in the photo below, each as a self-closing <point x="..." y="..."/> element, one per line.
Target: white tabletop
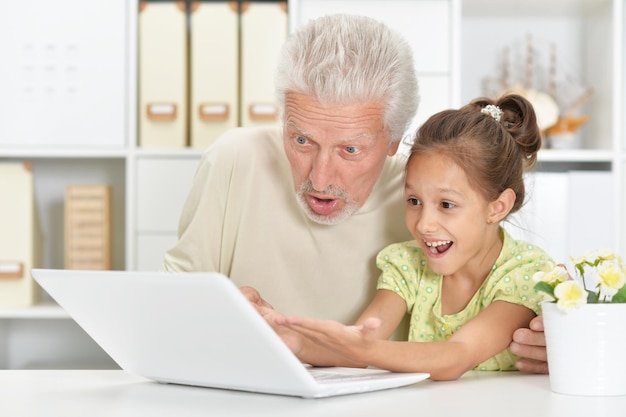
<point x="69" y="393"/>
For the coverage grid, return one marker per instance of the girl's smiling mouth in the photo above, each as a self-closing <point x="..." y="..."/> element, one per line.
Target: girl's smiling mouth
<point x="439" y="246"/>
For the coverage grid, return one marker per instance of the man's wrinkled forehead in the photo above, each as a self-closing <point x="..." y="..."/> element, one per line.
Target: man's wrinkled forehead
<point x="347" y="139"/>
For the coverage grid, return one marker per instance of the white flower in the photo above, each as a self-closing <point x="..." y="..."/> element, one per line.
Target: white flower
<point x="600" y="269"/>
<point x="605" y="254"/>
<point x="570" y="294"/>
<point x="554" y="276"/>
<point x="611" y="278"/>
<point x="593" y="256"/>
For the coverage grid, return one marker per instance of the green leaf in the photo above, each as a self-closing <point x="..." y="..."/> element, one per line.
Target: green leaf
<point x="620" y="296"/>
<point x="592" y="297"/>
<point x="544" y="287"/>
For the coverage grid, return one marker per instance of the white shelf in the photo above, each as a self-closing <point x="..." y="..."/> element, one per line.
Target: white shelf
<point x="575" y="155"/>
<point x="58" y="153"/>
<point x="44" y="310"/>
<point x="170" y="153"/>
<point x="537" y="8"/>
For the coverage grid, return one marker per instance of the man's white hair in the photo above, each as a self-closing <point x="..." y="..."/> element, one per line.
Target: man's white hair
<point x="345" y="59"/>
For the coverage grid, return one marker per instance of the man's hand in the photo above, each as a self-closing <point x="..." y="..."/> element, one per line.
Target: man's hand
<point x="293" y="340"/>
<point x="530" y="344"/>
<point x="255" y="298"/>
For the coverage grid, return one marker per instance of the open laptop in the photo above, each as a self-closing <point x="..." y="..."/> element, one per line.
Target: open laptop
<point x="196" y="329"/>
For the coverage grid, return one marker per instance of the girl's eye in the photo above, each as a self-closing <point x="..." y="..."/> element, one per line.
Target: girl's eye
<point x="447" y="205"/>
<point x="412" y="201"/>
<point x="301" y="140"/>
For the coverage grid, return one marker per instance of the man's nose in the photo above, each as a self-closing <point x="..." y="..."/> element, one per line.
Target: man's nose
<point x="322" y="172"/>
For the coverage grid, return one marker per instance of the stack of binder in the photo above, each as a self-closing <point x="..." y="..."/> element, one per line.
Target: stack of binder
<point x="206" y="67"/>
<point x="19" y="235"/>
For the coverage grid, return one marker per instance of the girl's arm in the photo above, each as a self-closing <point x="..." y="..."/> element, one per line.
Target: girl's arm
<point x="481" y="338"/>
<point x="379" y="320"/>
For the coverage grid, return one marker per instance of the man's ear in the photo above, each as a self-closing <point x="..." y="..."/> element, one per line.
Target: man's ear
<point x="502" y="206"/>
<point x="393" y="148"/>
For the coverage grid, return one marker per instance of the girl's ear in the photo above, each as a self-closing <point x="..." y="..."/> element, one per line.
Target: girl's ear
<point x="502" y="206"/>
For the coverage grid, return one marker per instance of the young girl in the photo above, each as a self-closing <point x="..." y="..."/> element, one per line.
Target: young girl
<point x="466" y="284"/>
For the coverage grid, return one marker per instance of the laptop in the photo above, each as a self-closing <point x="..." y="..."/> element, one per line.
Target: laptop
<point x="196" y="329"/>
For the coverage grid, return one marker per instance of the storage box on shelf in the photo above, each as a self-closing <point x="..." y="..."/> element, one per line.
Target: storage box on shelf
<point x="19" y="235"/>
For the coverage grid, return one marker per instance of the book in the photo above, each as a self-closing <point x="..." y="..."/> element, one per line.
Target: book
<point x="88" y="227"/>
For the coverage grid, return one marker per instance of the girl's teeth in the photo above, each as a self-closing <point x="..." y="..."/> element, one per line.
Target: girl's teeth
<point x="435" y="244"/>
<point x="433" y="247"/>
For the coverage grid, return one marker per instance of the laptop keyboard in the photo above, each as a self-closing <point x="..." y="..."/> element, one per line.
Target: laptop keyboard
<point x="326" y="376"/>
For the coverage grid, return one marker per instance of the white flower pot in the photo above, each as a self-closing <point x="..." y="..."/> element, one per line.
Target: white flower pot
<point x="586" y="349"/>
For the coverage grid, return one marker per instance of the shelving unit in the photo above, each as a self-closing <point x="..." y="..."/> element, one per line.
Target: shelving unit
<point x="588" y="40"/>
<point x="456" y="41"/>
<point x="43" y="335"/>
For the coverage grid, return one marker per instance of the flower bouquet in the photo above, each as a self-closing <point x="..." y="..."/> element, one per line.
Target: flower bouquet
<point x="601" y="270"/>
<point x="583" y="318"/>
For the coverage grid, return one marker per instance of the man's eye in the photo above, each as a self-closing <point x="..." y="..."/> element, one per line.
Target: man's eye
<point x="351" y="149"/>
<point x="301" y="140"/>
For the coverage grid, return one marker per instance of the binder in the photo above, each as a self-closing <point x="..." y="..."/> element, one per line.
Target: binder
<point x="264" y="28"/>
<point x="162" y="74"/>
<point x="19" y="235"/>
<point x="214" y="72"/>
<point x="88" y="227"/>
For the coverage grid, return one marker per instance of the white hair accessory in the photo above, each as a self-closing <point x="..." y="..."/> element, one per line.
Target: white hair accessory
<point x="493" y="111"/>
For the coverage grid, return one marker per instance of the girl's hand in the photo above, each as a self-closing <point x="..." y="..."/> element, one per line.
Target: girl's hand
<point x="353" y="342"/>
<point x="294" y="340"/>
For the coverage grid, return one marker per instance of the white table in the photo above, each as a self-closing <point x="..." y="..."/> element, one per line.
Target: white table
<point x="69" y="393"/>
